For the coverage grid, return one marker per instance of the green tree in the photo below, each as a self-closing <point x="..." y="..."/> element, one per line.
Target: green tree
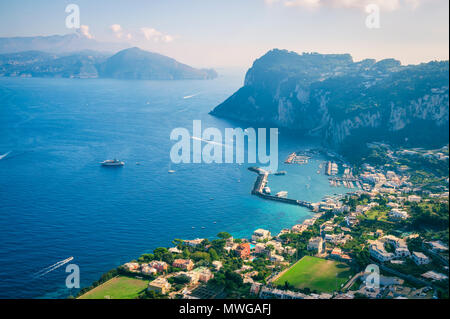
<point x="213" y="254"/>
<point x="224" y="235"/>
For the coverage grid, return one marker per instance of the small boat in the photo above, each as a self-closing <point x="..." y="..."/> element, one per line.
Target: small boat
<point x="171" y="171"/>
<point x="203" y="227"/>
<point x="282" y="194"/>
<point x="214" y="222"/>
<point x="113" y="162"/>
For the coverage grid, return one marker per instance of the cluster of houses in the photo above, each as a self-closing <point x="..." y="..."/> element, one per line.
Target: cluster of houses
<point x="435" y="154"/>
<point x="377" y="248"/>
<point x="193" y="276"/>
<point x="161" y="284"/>
<point x="379" y="252"/>
<point x="274" y="293"/>
<point x="262" y="243"/>
<point x="329" y="243"/>
<point x="152" y="268"/>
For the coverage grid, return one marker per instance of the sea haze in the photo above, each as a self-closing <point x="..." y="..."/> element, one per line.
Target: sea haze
<point x="56" y="201"/>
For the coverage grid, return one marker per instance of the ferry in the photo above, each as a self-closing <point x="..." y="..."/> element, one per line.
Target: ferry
<point x="113" y="162"/>
<point x="282" y="194"/>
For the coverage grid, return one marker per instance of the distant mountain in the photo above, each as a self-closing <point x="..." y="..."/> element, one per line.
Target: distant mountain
<point x="74" y="42"/>
<point x="41" y="64"/>
<point x="127" y="64"/>
<point x="135" y="63"/>
<point x="346" y="103"/>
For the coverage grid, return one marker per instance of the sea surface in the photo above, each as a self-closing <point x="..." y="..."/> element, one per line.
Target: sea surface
<point x="57" y="202"/>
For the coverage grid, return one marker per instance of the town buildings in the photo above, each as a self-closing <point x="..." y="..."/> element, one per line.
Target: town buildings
<point x="260" y="235"/>
<point x="160" y="285"/>
<point x="185" y="264"/>
<point x="316" y="244"/>
<point x="419" y="258"/>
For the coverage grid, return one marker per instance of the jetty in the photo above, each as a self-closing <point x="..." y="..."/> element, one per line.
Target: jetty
<point x="260" y="184"/>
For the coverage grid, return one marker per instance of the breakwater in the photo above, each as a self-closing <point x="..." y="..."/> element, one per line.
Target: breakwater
<point x="261" y="182"/>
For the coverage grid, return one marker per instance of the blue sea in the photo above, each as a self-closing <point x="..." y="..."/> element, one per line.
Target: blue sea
<point x="56" y="201"/>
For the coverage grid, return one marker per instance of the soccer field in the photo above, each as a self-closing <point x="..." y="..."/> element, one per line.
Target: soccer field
<point x="316" y="274"/>
<point x="117" y="288"/>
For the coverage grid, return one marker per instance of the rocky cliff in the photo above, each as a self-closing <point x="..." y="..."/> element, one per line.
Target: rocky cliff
<point x="346" y="103"/>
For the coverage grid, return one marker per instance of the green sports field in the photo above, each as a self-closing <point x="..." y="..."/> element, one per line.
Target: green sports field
<point x="316" y="274"/>
<point x="117" y="288"/>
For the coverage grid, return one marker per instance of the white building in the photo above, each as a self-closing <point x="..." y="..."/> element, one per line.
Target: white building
<point x="434" y="275"/>
<point x="194" y="242"/>
<point x="261" y="234"/>
<point x="393" y="205"/>
<point x="260" y="248"/>
<point x="160" y="285"/>
<point x="148" y="270"/>
<point x="316" y="244"/>
<point x="377" y="251"/>
<point x="276" y="258"/>
<point x="414" y="198"/>
<point x="175" y="250"/>
<point x="401" y="248"/>
<point x="437" y="246"/>
<point x="398" y="213"/>
<point x="419" y="258"/>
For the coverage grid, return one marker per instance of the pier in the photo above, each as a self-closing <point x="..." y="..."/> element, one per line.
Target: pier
<point x="261" y="182"/>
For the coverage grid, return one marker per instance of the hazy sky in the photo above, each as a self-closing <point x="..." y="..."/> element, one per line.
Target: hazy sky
<point x="234" y="32"/>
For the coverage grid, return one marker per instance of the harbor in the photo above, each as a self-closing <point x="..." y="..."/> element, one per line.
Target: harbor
<point x="261" y="184"/>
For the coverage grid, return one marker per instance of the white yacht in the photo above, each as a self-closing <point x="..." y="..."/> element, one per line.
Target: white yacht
<point x="113" y="162"/>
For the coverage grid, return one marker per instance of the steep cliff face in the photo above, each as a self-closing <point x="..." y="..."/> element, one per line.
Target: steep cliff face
<point x="345" y="102"/>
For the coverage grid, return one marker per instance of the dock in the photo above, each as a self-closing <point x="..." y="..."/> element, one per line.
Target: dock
<point x="348" y="182"/>
<point x="261" y="182"/>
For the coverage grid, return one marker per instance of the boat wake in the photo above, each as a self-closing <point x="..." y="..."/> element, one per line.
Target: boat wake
<point x="4" y="155"/>
<point x="190" y="96"/>
<point x="55" y="266"/>
<point x="209" y="141"/>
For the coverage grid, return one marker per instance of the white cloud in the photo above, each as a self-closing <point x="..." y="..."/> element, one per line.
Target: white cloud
<point x="303" y="3"/>
<point x="84" y="30"/>
<point x="387" y="5"/>
<point x="168" y="38"/>
<point x="117" y="30"/>
<point x="155" y="35"/>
